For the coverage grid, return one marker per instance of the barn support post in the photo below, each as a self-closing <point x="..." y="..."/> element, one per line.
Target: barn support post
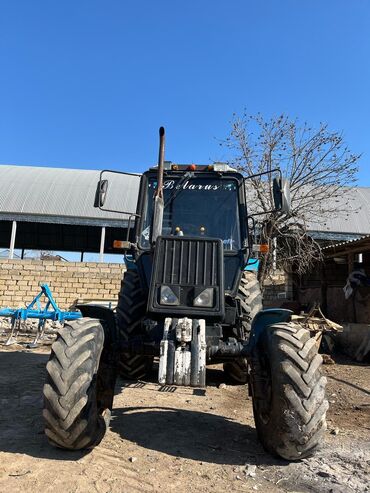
<point x="351" y="265"/>
<point x="102" y="242"/>
<point x="324" y="289"/>
<point x="12" y="239"/>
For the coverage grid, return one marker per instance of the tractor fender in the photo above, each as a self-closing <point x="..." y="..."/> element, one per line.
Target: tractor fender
<point x="264" y="319"/>
<point x="105" y="315"/>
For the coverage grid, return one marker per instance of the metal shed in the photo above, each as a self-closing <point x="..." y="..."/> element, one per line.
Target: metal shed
<point x="53" y="209"/>
<point x="351" y="223"/>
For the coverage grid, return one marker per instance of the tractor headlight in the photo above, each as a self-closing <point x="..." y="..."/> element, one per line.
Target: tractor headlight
<point x="168" y="297"/>
<point x="204" y="298"/>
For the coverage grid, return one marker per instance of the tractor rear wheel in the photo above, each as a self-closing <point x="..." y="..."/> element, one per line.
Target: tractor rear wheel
<point x="250" y="301"/>
<point x="288" y="391"/>
<point x="130" y="314"/>
<point x="79" y="388"/>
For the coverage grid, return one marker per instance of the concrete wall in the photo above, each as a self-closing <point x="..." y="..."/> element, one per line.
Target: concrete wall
<point x="69" y="281"/>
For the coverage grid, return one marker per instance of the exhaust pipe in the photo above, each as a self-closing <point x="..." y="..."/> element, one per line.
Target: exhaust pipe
<point x="161" y="160"/>
<point x="158" y="208"/>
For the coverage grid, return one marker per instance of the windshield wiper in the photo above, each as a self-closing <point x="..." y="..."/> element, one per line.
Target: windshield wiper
<point x="178" y="187"/>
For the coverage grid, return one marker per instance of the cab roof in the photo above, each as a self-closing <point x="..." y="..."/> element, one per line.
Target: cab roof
<point x="217" y="166"/>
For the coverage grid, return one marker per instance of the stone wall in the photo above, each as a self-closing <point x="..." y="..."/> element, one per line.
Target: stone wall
<point x="278" y="289"/>
<point x="69" y="281"/>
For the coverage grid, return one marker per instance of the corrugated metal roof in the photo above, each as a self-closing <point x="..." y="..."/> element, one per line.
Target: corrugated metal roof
<point x="356" y="218"/>
<point x="354" y="242"/>
<point x="64" y="195"/>
<point x="67" y="195"/>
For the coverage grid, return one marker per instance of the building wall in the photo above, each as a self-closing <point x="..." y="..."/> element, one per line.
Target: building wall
<point x="69" y="281"/>
<point x="325" y="286"/>
<point x="73" y="281"/>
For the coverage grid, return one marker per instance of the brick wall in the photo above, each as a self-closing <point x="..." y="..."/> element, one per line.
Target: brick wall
<point x="69" y="281"/>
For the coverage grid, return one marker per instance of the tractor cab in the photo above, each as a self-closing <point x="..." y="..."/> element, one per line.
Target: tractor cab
<point x="203" y="209"/>
<point x="198" y="202"/>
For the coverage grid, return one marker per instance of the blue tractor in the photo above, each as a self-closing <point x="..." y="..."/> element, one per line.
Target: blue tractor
<point x="189" y="298"/>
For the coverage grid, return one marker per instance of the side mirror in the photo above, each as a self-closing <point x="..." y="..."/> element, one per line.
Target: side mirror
<point x="281" y="194"/>
<point x="101" y="193"/>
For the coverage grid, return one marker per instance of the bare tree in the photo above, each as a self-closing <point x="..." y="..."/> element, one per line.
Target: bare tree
<point x="47" y="255"/>
<point x="319" y="168"/>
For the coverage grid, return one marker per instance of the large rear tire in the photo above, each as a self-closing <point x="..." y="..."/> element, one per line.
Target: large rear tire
<point x="79" y="388"/>
<point x="288" y="391"/>
<point x="249" y="298"/>
<point x="130" y="314"/>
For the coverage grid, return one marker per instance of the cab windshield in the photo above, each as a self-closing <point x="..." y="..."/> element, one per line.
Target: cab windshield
<point x="197" y="207"/>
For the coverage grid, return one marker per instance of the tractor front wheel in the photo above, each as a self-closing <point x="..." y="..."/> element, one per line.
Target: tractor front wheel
<point x="288" y="391"/>
<point x="79" y="388"/>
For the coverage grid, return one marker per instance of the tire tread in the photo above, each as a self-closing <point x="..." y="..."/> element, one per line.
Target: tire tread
<point x="72" y="420"/>
<point x="130" y="312"/>
<point x="250" y="299"/>
<point x="297" y="420"/>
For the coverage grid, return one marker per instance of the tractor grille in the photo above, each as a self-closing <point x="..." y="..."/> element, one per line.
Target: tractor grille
<point x="186" y="265"/>
<point x="189" y="262"/>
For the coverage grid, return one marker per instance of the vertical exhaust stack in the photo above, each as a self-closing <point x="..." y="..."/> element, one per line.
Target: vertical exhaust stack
<point x="161" y="160"/>
<point x="158" y="197"/>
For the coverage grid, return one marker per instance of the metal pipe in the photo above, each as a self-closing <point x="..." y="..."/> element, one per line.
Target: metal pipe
<point x="161" y="162"/>
<point x="12" y="239"/>
<point x="102" y="242"/>
<point x="158" y="208"/>
<point x="228" y="350"/>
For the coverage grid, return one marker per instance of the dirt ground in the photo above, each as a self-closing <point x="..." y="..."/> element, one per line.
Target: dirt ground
<point x="178" y="439"/>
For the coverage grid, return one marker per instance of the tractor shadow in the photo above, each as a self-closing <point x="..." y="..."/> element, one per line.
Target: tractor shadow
<point x="22" y="376"/>
<point x="182" y="433"/>
<point x="199" y="436"/>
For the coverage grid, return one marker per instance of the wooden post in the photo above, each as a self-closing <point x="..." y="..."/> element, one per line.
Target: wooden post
<point x="324" y="291"/>
<point x="351" y="260"/>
